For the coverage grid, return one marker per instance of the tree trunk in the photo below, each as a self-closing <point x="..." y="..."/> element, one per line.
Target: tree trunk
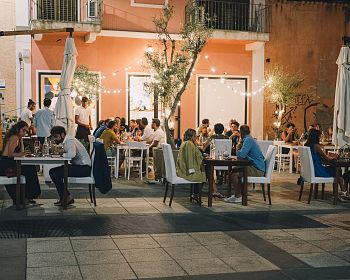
<point x="169" y="137"/>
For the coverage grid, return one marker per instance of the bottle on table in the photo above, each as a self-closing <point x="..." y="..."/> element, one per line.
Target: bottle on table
<point x="46" y="148"/>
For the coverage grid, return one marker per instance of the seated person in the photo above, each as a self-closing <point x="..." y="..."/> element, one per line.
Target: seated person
<point x="80" y="165"/>
<point x="233" y="133"/>
<point x="317" y="153"/>
<point x="290" y="137"/>
<point x="218" y="134"/>
<point x="109" y="138"/>
<point x="101" y="122"/>
<point x="98" y="131"/>
<point x="204" y="137"/>
<point x="250" y="150"/>
<point x="189" y="164"/>
<point x="13" y="147"/>
<point x="147" y="134"/>
<point x="205" y="122"/>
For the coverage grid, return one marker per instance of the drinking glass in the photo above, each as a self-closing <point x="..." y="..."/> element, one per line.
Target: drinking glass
<point x="36" y="147"/>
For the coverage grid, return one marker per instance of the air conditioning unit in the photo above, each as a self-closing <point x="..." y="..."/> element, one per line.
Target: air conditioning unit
<point x="92" y="9"/>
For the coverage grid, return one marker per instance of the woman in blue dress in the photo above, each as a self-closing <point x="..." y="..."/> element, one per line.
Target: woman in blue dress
<point x="317" y="153"/>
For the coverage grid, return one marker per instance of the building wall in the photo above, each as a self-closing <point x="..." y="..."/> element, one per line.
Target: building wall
<point x="306" y="38"/>
<point x="120" y="15"/>
<point x="108" y="54"/>
<point x="8" y="55"/>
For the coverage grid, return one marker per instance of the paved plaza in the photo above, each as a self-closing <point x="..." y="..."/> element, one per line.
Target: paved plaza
<point x="131" y="234"/>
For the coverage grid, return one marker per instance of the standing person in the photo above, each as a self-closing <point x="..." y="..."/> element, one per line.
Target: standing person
<point x="251" y="151"/>
<point x="83" y="120"/>
<point x="13" y="147"/>
<point x="44" y="120"/>
<point x="27" y="116"/>
<point x="80" y="161"/>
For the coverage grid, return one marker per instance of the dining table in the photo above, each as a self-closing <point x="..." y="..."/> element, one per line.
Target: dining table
<point x="339" y="164"/>
<point x="37" y="160"/>
<point x="231" y="162"/>
<point x="124" y="146"/>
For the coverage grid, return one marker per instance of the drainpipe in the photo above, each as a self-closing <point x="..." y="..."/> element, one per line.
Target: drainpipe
<point x="21" y="82"/>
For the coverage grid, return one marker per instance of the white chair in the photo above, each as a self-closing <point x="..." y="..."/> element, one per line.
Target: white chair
<point x="222" y="146"/>
<point x="269" y="165"/>
<point x="264" y="146"/>
<point x="13" y="181"/>
<point x="92" y="139"/>
<point x="282" y="159"/>
<point x="308" y="173"/>
<point x="87" y="180"/>
<point x="133" y="146"/>
<point x="172" y="178"/>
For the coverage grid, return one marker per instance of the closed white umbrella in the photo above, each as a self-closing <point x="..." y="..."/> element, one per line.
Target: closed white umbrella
<point x="64" y="106"/>
<point x="341" y="121"/>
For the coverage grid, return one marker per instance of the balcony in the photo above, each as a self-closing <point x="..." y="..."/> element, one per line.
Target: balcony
<point x="82" y="15"/>
<point x="229" y="19"/>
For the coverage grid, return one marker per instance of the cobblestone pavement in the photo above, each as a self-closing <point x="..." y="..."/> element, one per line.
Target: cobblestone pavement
<point x="131" y="234"/>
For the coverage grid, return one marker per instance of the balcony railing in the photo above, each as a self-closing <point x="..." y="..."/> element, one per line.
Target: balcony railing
<point x="227" y="15"/>
<point x="75" y="11"/>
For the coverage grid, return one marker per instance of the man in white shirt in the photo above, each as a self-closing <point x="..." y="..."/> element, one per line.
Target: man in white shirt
<point x="80" y="159"/>
<point x="148" y="132"/>
<point x="158" y="136"/>
<point x="43" y="121"/>
<point x="83" y="120"/>
<point x="27" y="116"/>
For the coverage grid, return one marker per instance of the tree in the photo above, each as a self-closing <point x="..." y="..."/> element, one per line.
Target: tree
<point x="86" y="83"/>
<point x="171" y="66"/>
<point x="281" y="89"/>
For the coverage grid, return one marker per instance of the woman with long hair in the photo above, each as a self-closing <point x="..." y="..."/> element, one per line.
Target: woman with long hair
<point x="13" y="147"/>
<point x="317" y="153"/>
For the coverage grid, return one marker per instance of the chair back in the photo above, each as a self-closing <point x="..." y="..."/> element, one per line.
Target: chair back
<point x="223" y="146"/>
<point x="270" y="160"/>
<point x="264" y="146"/>
<point x="92" y="139"/>
<point x="92" y="157"/>
<point x="170" y="169"/>
<point x="307" y="164"/>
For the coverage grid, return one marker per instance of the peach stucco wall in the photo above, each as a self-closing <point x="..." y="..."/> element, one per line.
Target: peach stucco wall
<point x="120" y="15"/>
<point x="108" y="54"/>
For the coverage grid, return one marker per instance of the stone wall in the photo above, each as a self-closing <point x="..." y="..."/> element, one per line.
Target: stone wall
<point x="306" y="38"/>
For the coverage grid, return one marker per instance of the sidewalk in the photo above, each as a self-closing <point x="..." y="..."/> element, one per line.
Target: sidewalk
<point x="131" y="234"/>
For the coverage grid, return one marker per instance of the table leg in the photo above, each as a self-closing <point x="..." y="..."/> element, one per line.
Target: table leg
<point x="211" y="185"/>
<point x="244" y="188"/>
<point x="335" y="185"/>
<point x="65" y="181"/>
<point x="117" y="170"/>
<point x="18" y="185"/>
<point x="229" y="191"/>
<point x="291" y="160"/>
<point x="147" y="162"/>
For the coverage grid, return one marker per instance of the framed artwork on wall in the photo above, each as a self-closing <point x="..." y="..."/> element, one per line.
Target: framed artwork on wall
<point x="48" y="87"/>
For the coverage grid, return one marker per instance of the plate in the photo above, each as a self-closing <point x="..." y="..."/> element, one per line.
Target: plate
<point x="55" y="156"/>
